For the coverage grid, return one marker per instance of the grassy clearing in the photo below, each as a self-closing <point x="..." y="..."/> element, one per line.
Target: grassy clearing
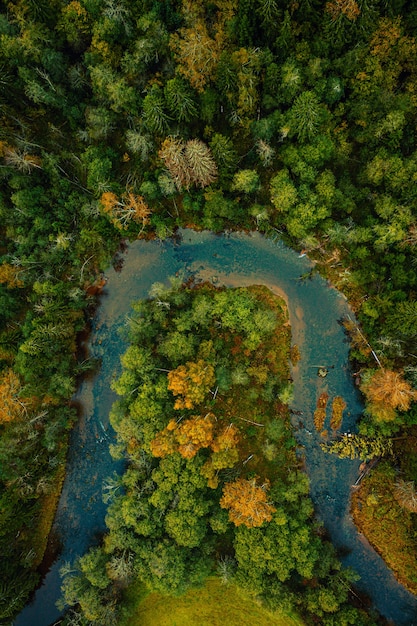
<point x="213" y="605"/>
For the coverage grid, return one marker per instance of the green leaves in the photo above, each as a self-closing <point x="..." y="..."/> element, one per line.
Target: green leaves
<point x="306" y="116"/>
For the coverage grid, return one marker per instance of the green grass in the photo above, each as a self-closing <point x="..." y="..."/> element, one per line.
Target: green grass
<point x="213" y="605"/>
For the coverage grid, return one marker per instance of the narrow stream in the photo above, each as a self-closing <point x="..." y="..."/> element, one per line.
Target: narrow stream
<point x="314" y="308"/>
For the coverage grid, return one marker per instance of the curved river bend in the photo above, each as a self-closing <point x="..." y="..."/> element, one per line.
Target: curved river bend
<point x="314" y="309"/>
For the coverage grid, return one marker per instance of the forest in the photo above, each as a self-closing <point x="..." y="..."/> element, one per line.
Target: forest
<point x="124" y="119"/>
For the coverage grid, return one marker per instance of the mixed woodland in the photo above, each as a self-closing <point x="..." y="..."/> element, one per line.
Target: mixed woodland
<point x="130" y="119"/>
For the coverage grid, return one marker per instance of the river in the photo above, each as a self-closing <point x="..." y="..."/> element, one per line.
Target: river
<point x="315" y="309"/>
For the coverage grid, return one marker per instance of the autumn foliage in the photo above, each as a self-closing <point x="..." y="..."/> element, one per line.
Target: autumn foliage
<point x="320" y="412"/>
<point x="348" y="8"/>
<point x="338" y="406"/>
<point x="9" y="275"/>
<point x="122" y="211"/>
<point x="12" y="405"/>
<point x="191" y="382"/>
<point x="387" y="391"/>
<point x="247" y="502"/>
<point x="197" y="54"/>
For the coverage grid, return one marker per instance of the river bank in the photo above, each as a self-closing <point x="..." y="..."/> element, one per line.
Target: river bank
<point x="314" y="313"/>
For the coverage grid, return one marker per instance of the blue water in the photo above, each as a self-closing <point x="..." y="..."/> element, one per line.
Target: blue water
<point x="314" y="309"/>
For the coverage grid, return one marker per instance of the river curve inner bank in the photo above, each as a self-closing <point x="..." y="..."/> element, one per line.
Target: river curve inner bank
<point x="314" y="309"/>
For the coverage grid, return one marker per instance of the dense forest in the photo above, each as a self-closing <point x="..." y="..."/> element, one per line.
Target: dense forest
<point x="128" y="119"/>
<point x="213" y="483"/>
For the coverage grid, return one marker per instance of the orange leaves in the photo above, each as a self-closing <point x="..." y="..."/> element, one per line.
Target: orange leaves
<point x="247" y="502"/>
<point x="348" y="8"/>
<point x="194" y="434"/>
<point x="186" y="437"/>
<point x="12" y="406"/>
<point x="385" y="37"/>
<point x="129" y="207"/>
<point x="196" y="53"/>
<point x="192" y="381"/>
<point x="164" y="442"/>
<point x="10" y="276"/>
<point x="387" y="391"/>
<point x="320" y="412"/>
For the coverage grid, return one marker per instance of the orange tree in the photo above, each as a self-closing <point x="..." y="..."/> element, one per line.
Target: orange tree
<point x="247" y="502"/>
<point x="191" y="382"/>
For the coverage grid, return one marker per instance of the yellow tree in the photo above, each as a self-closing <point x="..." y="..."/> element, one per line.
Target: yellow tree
<point x="348" y="8"/>
<point x="164" y="443"/>
<point x="191" y="382"/>
<point x="225" y="454"/>
<point x="247" y="502"/>
<point x="194" y="434"/>
<point x="387" y="391"/>
<point x="12" y="405"/>
<point x="196" y="53"/>
<point x="10" y="276"/>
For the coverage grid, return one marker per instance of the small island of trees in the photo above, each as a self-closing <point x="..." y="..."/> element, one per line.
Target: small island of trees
<point x="213" y="484"/>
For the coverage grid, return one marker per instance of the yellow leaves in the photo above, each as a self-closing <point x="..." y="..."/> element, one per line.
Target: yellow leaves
<point x="193" y="434"/>
<point x="247" y="502"/>
<point x="348" y="8"/>
<point x="186" y="436"/>
<point x="228" y="438"/>
<point x="387" y="391"/>
<point x="74" y="11"/>
<point x="338" y="407"/>
<point x="122" y="211"/>
<point x="192" y="381"/>
<point x="386" y="36"/>
<point x="197" y="54"/>
<point x="12" y="406"/>
<point x="10" y="276"/>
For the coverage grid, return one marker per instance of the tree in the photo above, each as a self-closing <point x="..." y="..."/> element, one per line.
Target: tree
<point x="122" y="211"/>
<point x="195" y="433"/>
<point x="196" y="53"/>
<point x="247" y="502"/>
<point x="406" y="495"/>
<point x="351" y="446"/>
<point x="306" y="116"/>
<point x="348" y="8"/>
<point x="155" y="117"/>
<point x="224" y="154"/>
<point x="386" y="391"/>
<point x="12" y="404"/>
<point x="180" y="100"/>
<point x="202" y="167"/>
<point x="246" y="181"/>
<point x="9" y="274"/>
<point x="192" y="381"/>
<point x="188" y="162"/>
<point x="283" y="191"/>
